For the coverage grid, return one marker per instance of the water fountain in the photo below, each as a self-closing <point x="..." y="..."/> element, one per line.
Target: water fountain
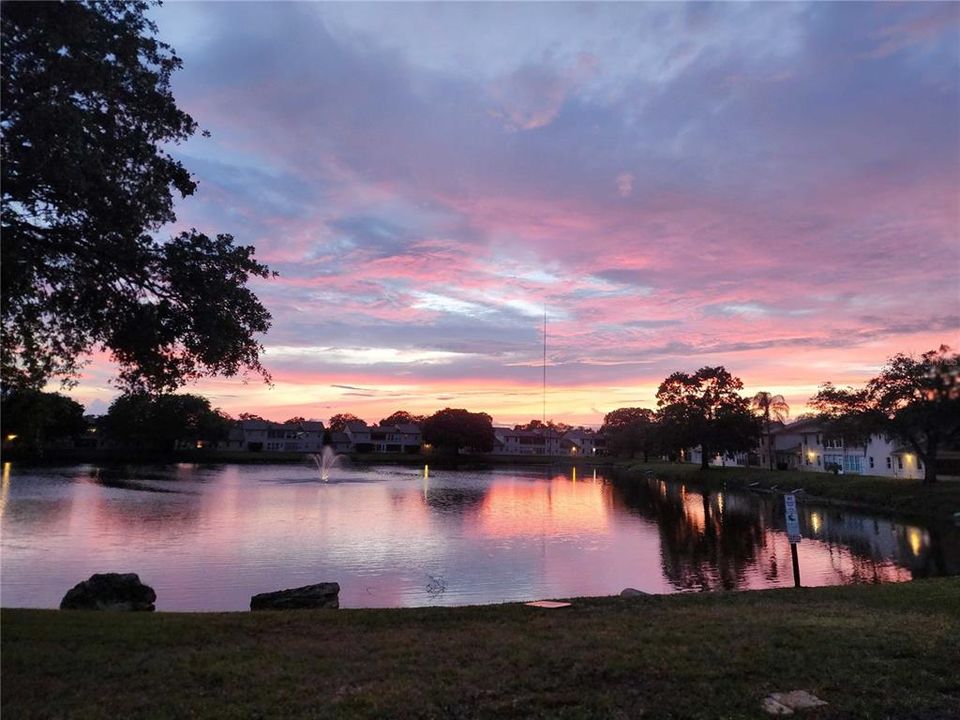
<point x="325" y="461"/>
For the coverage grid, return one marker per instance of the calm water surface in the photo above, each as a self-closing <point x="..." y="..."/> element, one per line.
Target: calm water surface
<point x="209" y="537"/>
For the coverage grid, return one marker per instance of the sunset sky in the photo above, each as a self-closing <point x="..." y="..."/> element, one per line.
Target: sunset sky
<point x="774" y="188"/>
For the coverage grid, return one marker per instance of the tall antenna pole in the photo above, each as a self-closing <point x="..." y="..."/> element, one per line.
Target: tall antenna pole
<point x="544" y="364"/>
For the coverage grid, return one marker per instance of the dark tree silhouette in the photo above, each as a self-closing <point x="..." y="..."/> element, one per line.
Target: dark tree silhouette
<point x="706" y="409"/>
<point x="629" y="430"/>
<point x="338" y="422"/>
<point x="402" y="417"/>
<point x="452" y="429"/>
<point x="36" y="418"/>
<point x="295" y="420"/>
<point x="559" y="427"/>
<point x="915" y="400"/>
<point x="87" y="183"/>
<point x="148" y="422"/>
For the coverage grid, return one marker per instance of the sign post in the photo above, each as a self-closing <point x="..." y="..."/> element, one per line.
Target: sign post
<point x="793" y="533"/>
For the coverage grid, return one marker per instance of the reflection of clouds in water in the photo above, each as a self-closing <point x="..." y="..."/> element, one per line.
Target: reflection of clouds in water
<point x="411" y="536"/>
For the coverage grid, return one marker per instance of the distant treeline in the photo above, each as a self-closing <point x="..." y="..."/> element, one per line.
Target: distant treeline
<point x="915" y="400"/>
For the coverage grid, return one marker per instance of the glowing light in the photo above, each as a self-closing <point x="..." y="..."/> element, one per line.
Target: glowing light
<point x="11" y="437"/>
<point x="426" y="471"/>
<point x="4" y="487"/>
<point x="574" y="473"/>
<point x="816" y="522"/>
<point x="916" y="540"/>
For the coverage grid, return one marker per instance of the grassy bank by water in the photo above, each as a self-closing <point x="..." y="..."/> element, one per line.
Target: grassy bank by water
<point x="869" y="651"/>
<point x="888" y="495"/>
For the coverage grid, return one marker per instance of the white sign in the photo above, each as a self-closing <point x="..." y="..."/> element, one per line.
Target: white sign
<point x="793" y="519"/>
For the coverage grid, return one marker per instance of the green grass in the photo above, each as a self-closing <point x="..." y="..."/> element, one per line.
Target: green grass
<point x="870" y="651"/>
<point x="899" y="496"/>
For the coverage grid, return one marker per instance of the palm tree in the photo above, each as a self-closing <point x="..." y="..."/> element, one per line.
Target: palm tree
<point x="771" y="407"/>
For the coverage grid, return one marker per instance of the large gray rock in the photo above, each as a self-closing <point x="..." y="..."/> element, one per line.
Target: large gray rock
<point x="632" y="592"/>
<point x="322" y="595"/>
<point x="110" y="591"/>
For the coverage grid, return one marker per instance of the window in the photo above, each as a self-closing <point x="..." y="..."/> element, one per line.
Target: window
<point x="900" y="462"/>
<point x="919" y="464"/>
<point x="871" y="463"/>
<point x="818" y="438"/>
<point x="889" y="464"/>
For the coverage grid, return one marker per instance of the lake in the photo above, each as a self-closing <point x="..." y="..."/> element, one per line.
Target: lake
<point x="209" y="537"/>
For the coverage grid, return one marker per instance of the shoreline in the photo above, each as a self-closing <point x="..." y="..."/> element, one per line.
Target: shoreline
<point x="890" y="497"/>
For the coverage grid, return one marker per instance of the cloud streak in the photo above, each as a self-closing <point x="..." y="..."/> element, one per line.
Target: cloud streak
<point x="773" y="187"/>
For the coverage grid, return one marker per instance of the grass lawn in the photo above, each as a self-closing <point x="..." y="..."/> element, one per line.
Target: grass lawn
<point x="890" y="495"/>
<point x="870" y="651"/>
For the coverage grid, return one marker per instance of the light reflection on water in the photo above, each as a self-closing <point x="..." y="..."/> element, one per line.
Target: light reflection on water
<point x="207" y="538"/>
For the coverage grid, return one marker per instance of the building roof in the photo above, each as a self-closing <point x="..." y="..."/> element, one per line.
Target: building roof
<point x="810" y="425"/>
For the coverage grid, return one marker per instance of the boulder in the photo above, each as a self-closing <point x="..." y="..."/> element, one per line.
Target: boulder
<point x="632" y="592"/>
<point x="322" y="595"/>
<point x="110" y="591"/>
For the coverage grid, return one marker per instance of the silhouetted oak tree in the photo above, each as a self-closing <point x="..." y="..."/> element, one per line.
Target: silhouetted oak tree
<point x="87" y="182"/>
<point x="631" y="430"/>
<point x="706" y="409"/>
<point x="451" y="429"/>
<point x="338" y="422"/>
<point x="401" y="417"/>
<point x="915" y="400"/>
<point x="36" y="418"/>
<point x="157" y="422"/>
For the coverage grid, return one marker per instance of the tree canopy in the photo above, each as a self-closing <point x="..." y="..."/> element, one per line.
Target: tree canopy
<point x="88" y="182"/>
<point x="630" y="430"/>
<point x="559" y="427"/>
<point x="402" y="417"/>
<point x="914" y="400"/>
<point x="453" y="429"/>
<point x="338" y="422"/>
<point x="148" y="422"/>
<point x="705" y="408"/>
<point x="32" y="418"/>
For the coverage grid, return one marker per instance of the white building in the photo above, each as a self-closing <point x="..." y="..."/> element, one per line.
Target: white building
<point x="819" y="451"/>
<point x="805" y="446"/>
<point x="694" y="455"/>
<point x="507" y="441"/>
<point x="400" y="438"/>
<point x="583" y="442"/>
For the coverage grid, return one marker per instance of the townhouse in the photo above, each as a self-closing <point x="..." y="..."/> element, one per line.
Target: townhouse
<point x="819" y="451"/>
<point x="806" y="446"/>
<point x="509" y="441"/>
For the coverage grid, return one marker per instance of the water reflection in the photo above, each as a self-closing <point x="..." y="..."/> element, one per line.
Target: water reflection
<point x="213" y="536"/>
